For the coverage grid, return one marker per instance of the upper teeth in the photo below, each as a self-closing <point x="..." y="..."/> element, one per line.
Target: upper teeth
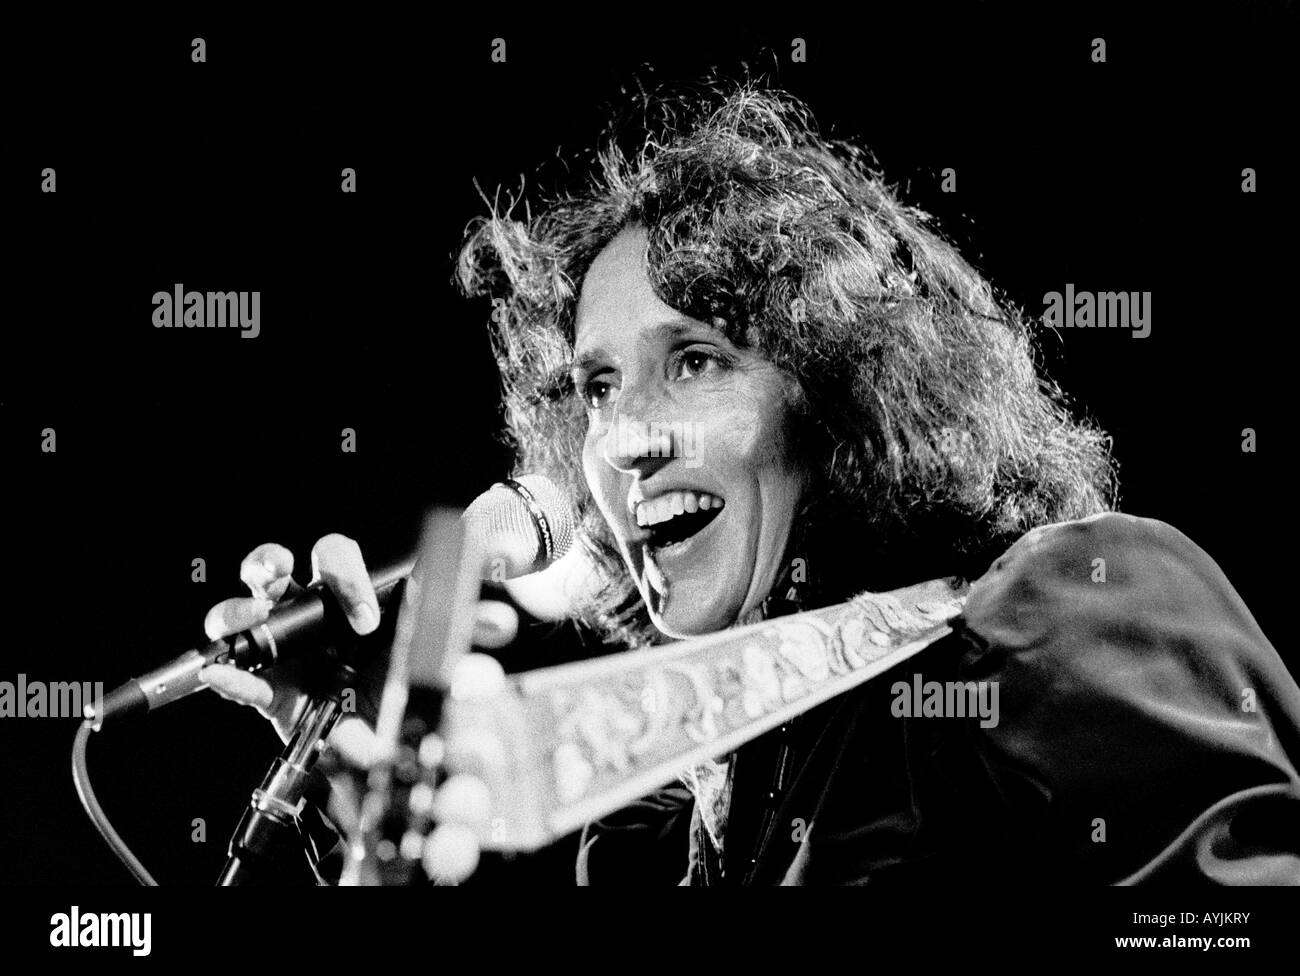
<point x="673" y="503"/>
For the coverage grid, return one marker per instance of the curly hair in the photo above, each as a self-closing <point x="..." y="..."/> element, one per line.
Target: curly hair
<point x="929" y="436"/>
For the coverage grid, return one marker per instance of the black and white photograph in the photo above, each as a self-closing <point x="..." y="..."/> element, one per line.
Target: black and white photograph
<point x="643" y="448"/>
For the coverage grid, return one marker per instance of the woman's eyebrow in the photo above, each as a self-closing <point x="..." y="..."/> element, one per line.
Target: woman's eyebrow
<point x="670" y="330"/>
<point x="680" y="327"/>
<point x="587" y="361"/>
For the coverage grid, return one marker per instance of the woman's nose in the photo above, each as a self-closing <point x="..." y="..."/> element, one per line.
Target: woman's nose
<point x="636" y="442"/>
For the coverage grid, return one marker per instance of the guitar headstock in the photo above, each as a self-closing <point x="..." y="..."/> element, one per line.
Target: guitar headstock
<point x="434" y="629"/>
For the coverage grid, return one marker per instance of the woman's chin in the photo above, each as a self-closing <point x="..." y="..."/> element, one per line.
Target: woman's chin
<point x="680" y="626"/>
<point x="691" y="613"/>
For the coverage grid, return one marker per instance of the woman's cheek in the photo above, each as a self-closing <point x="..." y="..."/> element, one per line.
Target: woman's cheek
<point x="594" y="468"/>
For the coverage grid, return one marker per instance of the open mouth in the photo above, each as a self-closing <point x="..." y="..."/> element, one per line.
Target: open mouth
<point x="676" y="516"/>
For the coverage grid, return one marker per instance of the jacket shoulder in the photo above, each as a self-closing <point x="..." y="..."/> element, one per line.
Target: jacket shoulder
<point x="1114" y="573"/>
<point x="1137" y="693"/>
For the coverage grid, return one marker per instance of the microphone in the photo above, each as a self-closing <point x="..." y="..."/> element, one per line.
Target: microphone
<point x="518" y="526"/>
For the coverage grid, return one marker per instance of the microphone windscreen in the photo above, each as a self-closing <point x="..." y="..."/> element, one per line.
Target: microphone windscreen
<point x="520" y="526"/>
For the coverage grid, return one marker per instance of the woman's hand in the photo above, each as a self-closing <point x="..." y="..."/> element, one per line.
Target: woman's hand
<point x="267" y="571"/>
<point x="337" y="563"/>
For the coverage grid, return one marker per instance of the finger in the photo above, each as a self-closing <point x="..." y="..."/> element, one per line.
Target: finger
<point x="232" y="616"/>
<point x="356" y="742"/>
<point x="236" y="685"/>
<point x="286" y="708"/>
<point x="336" y="561"/>
<point x="496" y="624"/>
<point x="451" y="854"/>
<point x="267" y="571"/>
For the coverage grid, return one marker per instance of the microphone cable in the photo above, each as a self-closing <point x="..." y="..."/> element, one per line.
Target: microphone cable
<point x="81" y="778"/>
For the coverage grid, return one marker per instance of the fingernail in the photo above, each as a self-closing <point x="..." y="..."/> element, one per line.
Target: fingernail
<point x="367" y="618"/>
<point x="258" y="574"/>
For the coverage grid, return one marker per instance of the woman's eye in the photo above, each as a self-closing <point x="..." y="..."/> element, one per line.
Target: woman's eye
<point x="596" y="393"/>
<point x="695" y="362"/>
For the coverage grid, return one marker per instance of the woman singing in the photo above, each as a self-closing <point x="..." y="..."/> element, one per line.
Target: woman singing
<point x="767" y="385"/>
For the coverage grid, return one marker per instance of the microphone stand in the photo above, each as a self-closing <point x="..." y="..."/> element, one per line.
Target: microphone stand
<point x="269" y="830"/>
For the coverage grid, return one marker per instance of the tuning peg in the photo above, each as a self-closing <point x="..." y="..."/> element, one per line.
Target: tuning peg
<point x="412" y="845"/>
<point x="421" y="800"/>
<point x="464" y="800"/>
<point x="451" y="854"/>
<point x="431" y="752"/>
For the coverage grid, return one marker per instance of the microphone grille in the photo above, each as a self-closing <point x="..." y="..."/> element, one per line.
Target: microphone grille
<point x="521" y="525"/>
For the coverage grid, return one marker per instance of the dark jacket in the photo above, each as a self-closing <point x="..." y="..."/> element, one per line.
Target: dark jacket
<point x="1146" y="731"/>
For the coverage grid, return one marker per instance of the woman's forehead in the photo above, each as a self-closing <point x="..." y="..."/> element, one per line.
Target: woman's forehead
<point x="618" y="305"/>
<point x="617" y="288"/>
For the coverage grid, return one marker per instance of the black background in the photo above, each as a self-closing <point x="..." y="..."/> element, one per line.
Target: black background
<point x="178" y="444"/>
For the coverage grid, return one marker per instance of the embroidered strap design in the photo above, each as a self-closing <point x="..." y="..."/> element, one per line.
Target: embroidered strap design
<point x="575" y="742"/>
